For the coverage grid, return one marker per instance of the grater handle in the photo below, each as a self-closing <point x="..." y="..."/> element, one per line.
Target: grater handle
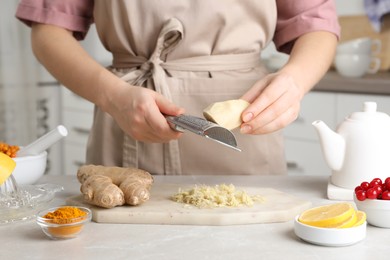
<point x="190" y="123"/>
<point x="203" y="128"/>
<point x="174" y="126"/>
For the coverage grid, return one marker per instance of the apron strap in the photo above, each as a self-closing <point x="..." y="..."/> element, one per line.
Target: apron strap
<point x="170" y="35"/>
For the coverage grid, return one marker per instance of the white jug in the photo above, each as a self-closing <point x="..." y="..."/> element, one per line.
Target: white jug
<point x="360" y="148"/>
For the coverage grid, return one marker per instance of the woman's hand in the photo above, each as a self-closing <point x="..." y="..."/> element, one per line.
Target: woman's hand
<point x="275" y="99"/>
<point x="139" y="112"/>
<point x="275" y="103"/>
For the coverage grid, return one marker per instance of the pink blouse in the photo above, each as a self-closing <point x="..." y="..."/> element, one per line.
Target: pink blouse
<point x="295" y="18"/>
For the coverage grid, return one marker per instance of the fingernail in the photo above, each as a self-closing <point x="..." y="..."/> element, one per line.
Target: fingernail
<point x="247" y="117"/>
<point x="246" y="129"/>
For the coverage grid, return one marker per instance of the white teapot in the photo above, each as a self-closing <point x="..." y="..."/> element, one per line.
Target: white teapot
<point x="360" y="149"/>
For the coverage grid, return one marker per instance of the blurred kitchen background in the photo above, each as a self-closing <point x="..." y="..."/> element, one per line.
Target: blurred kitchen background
<point x="32" y="102"/>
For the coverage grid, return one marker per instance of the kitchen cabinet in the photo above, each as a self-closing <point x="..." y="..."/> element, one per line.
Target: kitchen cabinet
<point x="303" y="150"/>
<point x="331" y="100"/>
<point x="349" y="103"/>
<point x="77" y="117"/>
<point x="302" y="147"/>
<point x="48" y="116"/>
<point x="77" y="113"/>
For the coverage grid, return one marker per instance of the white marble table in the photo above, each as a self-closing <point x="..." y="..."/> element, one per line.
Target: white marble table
<point x="25" y="240"/>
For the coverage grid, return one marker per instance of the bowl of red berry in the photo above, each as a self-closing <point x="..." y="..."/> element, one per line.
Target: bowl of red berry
<point x="373" y="197"/>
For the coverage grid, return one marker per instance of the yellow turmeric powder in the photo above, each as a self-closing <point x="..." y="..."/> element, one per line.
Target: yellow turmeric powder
<point x="65" y="215"/>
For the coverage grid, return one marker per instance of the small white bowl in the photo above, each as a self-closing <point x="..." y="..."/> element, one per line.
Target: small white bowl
<point x="29" y="169"/>
<point x="377" y="211"/>
<point x="330" y="236"/>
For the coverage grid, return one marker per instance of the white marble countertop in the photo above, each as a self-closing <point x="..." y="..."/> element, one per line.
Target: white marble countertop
<point x="25" y="240"/>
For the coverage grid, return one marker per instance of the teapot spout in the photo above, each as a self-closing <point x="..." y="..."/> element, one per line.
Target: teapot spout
<point x="332" y="144"/>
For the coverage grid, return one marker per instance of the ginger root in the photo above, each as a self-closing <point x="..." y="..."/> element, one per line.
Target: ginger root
<point x="109" y="187"/>
<point x="227" y="113"/>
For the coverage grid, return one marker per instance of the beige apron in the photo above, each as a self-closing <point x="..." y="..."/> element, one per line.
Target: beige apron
<point x="194" y="53"/>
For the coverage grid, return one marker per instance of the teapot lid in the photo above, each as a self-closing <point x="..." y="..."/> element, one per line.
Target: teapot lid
<point x="369" y="112"/>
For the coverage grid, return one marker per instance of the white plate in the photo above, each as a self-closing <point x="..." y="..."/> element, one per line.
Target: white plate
<point x="330" y="236"/>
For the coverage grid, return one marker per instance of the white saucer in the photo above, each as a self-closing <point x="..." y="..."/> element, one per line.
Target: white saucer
<point x="337" y="193"/>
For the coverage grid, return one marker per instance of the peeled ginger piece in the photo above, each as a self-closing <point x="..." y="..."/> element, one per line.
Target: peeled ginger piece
<point x="227" y="113"/>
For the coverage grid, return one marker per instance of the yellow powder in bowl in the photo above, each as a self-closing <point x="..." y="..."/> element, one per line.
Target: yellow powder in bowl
<point x="65" y="215"/>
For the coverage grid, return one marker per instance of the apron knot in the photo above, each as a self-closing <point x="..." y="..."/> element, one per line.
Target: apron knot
<point x="170" y="35"/>
<point x="144" y="72"/>
<point x="146" y="67"/>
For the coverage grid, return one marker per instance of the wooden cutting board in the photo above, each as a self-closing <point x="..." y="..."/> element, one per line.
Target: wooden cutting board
<point x="277" y="207"/>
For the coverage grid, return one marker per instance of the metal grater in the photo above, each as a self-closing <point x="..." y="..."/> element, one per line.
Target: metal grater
<point x="204" y="128"/>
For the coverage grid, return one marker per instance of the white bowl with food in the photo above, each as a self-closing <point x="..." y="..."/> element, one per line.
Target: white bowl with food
<point x="333" y="237"/>
<point x="334" y="224"/>
<point x="377" y="211"/>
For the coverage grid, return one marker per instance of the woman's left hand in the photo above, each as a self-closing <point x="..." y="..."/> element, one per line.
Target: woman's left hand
<point x="275" y="99"/>
<point x="275" y="103"/>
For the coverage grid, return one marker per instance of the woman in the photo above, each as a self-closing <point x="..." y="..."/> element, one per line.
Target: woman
<point x="173" y="57"/>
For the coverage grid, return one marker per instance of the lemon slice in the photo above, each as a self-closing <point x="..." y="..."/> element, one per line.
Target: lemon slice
<point x="328" y="215"/>
<point x="7" y="165"/>
<point x="348" y="223"/>
<point x="361" y="218"/>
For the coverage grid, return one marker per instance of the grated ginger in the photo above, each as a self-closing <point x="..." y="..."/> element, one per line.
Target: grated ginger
<point x="218" y="196"/>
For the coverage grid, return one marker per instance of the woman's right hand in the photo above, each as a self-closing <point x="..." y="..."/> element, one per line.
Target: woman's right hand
<point x="139" y="112"/>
